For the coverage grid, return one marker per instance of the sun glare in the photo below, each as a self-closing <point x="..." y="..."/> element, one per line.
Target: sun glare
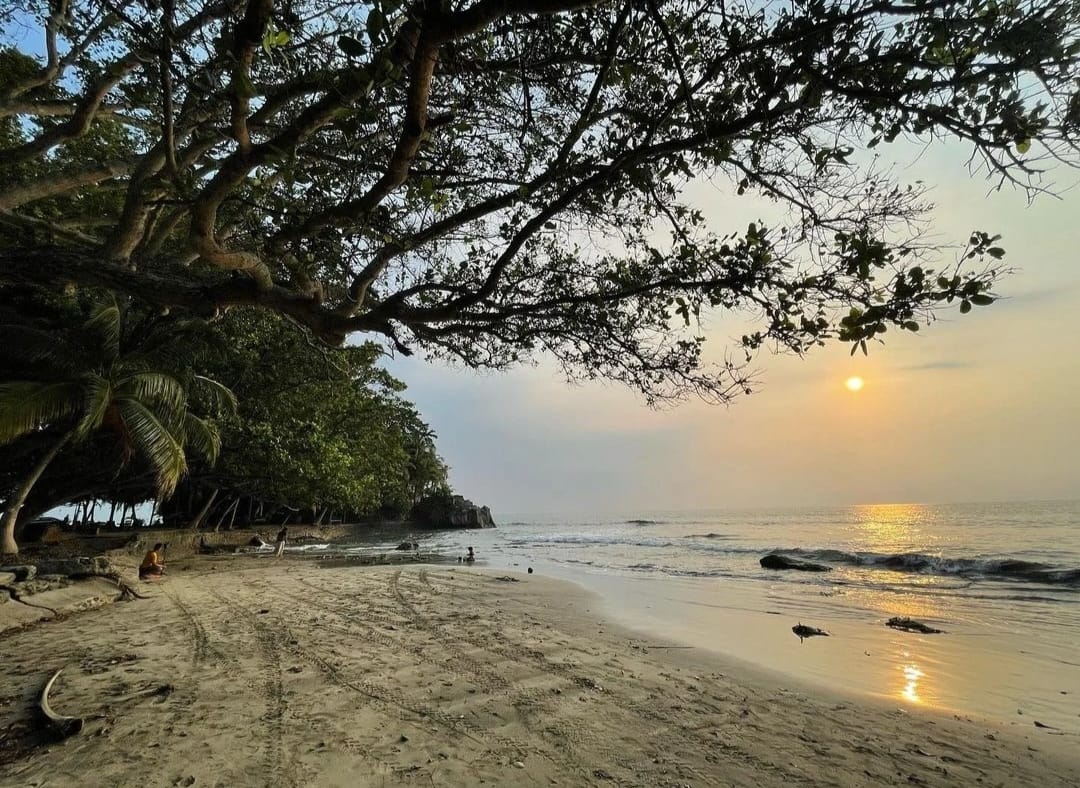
<point x="854" y="384"/>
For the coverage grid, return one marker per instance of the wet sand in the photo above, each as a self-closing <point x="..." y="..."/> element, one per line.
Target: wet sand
<point x="282" y="673"/>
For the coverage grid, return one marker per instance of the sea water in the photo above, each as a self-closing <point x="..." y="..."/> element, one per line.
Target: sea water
<point x="1002" y="580"/>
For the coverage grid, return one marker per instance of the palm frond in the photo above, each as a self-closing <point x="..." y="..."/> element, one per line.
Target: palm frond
<point x="106" y="321"/>
<point x="219" y="397"/>
<point x="202" y="436"/>
<point x="155" y="443"/>
<point x="157" y="388"/>
<point x="27" y="405"/>
<point x="97" y="396"/>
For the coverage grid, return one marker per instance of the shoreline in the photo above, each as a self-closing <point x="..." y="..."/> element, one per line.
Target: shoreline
<point x="288" y="673"/>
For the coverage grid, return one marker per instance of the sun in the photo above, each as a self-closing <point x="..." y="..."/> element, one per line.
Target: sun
<point x="854" y="384"/>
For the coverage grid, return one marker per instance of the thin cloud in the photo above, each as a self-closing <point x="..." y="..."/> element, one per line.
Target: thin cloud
<point x="939" y="365"/>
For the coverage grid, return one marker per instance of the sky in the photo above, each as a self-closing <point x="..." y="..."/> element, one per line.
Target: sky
<point x="981" y="407"/>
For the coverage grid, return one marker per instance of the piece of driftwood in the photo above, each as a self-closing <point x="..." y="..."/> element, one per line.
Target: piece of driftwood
<point x="60" y="726"/>
<point x="804" y="632"/>
<point x="911" y="625"/>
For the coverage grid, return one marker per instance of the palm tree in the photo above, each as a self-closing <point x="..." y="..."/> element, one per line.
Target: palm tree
<point x="90" y="382"/>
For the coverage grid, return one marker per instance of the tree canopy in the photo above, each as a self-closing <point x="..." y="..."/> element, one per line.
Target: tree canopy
<point x="484" y="180"/>
<point x="316" y="427"/>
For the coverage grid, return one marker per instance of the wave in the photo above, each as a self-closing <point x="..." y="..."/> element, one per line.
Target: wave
<point x="998" y="567"/>
<point x="539" y="540"/>
<point x="709" y="536"/>
<point x="645" y="522"/>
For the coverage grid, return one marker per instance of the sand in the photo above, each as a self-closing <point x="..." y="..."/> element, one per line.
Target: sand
<point x="281" y="673"/>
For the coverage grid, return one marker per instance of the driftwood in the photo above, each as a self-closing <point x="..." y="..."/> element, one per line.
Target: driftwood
<point x="60" y="726"/>
<point x="911" y="625"/>
<point x="804" y="632"/>
<point x="127" y="592"/>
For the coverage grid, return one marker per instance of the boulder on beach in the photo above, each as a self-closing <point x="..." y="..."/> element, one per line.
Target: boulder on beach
<point x="19" y="573"/>
<point x="443" y="510"/>
<point x="776" y="561"/>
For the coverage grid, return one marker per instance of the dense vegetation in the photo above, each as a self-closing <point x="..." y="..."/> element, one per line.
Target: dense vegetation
<point x="109" y="411"/>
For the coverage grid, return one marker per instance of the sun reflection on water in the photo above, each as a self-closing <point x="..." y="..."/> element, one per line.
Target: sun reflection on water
<point x="912" y="674"/>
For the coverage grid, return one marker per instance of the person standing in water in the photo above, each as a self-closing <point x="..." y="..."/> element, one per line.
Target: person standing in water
<point x="282" y="537"/>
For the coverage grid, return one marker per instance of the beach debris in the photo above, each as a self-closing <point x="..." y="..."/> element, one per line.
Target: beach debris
<point x="530" y="570"/>
<point x="61" y="726"/>
<point x="600" y="774"/>
<point x="519" y="765"/>
<point x="911" y="625"/>
<point x="404" y="546"/>
<point x="1044" y="725"/>
<point x="803" y="631"/>
<point x="777" y="561"/>
<point x="507" y="579"/>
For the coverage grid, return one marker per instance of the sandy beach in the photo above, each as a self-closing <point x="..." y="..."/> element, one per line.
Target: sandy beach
<point x="243" y="671"/>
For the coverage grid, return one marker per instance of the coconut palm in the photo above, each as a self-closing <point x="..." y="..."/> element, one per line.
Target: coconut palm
<point x="91" y="381"/>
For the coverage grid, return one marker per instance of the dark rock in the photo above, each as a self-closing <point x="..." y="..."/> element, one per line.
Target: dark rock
<point x="776" y="561"/>
<point x="911" y="625"/>
<point x="804" y="632"/>
<point x="451" y="511"/>
<point x="77" y="567"/>
<point x="24" y="572"/>
<point x="404" y="546"/>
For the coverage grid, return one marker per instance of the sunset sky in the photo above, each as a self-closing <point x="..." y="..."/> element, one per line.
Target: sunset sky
<point x="983" y="407"/>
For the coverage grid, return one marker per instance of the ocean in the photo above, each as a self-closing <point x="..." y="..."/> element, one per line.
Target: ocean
<point x="1001" y="580"/>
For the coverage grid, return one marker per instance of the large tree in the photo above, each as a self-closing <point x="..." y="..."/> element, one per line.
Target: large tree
<point x="483" y="179"/>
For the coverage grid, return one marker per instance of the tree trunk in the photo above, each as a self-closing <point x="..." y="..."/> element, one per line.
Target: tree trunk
<point x="195" y="523"/>
<point x="112" y="511"/>
<point x="224" y="514"/>
<point x="11" y="516"/>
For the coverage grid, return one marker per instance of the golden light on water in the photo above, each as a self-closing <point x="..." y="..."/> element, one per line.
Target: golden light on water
<point x="912" y="674"/>
<point x="854" y="383"/>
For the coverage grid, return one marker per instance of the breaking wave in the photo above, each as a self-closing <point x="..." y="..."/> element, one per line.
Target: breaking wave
<point x="998" y="568"/>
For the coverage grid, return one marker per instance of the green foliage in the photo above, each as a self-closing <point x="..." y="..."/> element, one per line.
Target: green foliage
<point x="97" y="378"/>
<point x="315" y="426"/>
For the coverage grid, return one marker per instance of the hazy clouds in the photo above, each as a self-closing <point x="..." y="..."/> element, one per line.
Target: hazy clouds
<point x="980" y="407"/>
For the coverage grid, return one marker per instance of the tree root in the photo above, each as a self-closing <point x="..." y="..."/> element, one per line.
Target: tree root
<point x="127" y="592"/>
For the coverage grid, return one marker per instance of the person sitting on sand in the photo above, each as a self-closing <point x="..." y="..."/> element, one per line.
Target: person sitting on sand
<point x="282" y="537"/>
<point x="151" y="565"/>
